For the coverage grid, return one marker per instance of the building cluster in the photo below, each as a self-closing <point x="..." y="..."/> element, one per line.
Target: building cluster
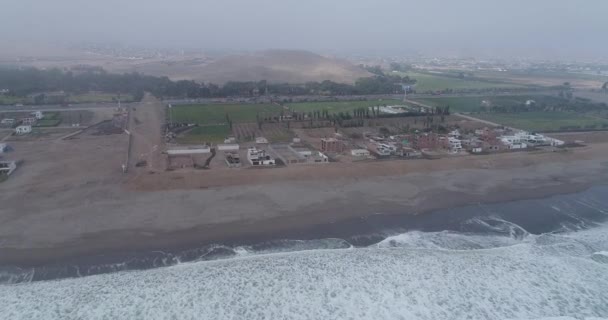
<point x="23" y="125"/>
<point x="422" y="144"/>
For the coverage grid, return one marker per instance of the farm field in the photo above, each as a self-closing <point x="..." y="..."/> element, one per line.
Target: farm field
<point x="216" y="113"/>
<point x="473" y="104"/>
<point x="205" y="134"/>
<point x="545" y="121"/>
<point x="97" y="97"/>
<point x="338" y="106"/>
<point x="426" y="82"/>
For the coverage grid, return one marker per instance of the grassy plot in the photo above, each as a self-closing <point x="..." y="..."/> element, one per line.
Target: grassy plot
<point x="545" y="121"/>
<point x="216" y="113"/>
<point x="97" y="97"/>
<point x="11" y="100"/>
<point x="205" y="134"/>
<point x="51" y="119"/>
<point x="338" y="106"/>
<point x="473" y="104"/>
<point x="426" y="82"/>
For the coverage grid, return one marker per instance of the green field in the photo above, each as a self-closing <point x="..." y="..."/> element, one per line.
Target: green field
<point x="426" y="82"/>
<point x="10" y="100"/>
<point x="545" y="121"/>
<point x="205" y="134"/>
<point x="473" y="104"/>
<point x="216" y="113"/>
<point x="48" y="123"/>
<point x="338" y="106"/>
<point x="97" y="97"/>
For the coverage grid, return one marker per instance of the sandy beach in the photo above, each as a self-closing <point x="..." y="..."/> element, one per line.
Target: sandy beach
<point x="104" y="211"/>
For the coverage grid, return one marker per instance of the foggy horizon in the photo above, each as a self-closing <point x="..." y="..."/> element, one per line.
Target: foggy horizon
<point x="548" y="29"/>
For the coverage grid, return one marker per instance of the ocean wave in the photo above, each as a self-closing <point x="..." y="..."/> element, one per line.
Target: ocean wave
<point x="535" y="277"/>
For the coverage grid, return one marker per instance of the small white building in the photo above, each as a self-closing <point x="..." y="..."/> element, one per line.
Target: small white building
<point x="258" y="157"/>
<point x="7" y="122"/>
<point x="261" y="140"/>
<point x="38" y="115"/>
<point x="188" y="150"/>
<point x="23" y="130"/>
<point x="3" y="147"/>
<point x="318" y="157"/>
<point x="303" y="152"/>
<point x="228" y="147"/>
<point x="455" y="144"/>
<point x="360" y="152"/>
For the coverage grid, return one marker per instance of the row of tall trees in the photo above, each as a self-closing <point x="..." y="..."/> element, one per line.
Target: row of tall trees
<point x="25" y="81"/>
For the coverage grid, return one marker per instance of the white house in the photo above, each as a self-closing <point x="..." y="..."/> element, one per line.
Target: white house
<point x="23" y="130"/>
<point x="360" y="152"/>
<point x="259" y="157"/>
<point x="455" y="144"/>
<point x="261" y="140"/>
<point x="7" y="122"/>
<point x="3" y="147"/>
<point x="303" y="152"/>
<point x="38" y="115"/>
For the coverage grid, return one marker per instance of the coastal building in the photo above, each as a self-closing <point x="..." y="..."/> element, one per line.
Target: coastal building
<point x="259" y="157"/>
<point x="7" y="167"/>
<point x="233" y="160"/>
<point x="230" y="140"/>
<point x="261" y="140"/>
<point x="7" y="122"/>
<point x="332" y="145"/>
<point x="430" y="141"/>
<point x="38" y="115"/>
<point x="360" y="153"/>
<point x="23" y="129"/>
<point x="407" y="152"/>
<point x="29" y="121"/>
<point x="455" y="144"/>
<point x="513" y="142"/>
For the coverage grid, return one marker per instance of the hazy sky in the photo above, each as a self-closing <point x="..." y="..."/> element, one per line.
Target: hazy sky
<point x="552" y="27"/>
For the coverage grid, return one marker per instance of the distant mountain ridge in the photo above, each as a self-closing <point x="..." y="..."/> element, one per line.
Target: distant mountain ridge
<point x="278" y="66"/>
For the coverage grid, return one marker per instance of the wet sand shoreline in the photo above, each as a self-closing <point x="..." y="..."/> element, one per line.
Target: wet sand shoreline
<point x="316" y="223"/>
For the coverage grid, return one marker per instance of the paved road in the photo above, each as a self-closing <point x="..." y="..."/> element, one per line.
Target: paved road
<point x="463" y="116"/>
<point x="478" y="120"/>
<point x="82" y="106"/>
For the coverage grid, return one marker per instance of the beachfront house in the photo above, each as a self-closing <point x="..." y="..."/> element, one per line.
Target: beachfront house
<point x="20" y="130"/>
<point x="38" y="115"/>
<point x="258" y="157"/>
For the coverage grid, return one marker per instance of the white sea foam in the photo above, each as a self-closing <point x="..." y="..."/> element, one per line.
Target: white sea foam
<point x="411" y="276"/>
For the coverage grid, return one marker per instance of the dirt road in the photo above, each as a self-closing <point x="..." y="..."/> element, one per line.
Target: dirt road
<point x="145" y="126"/>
